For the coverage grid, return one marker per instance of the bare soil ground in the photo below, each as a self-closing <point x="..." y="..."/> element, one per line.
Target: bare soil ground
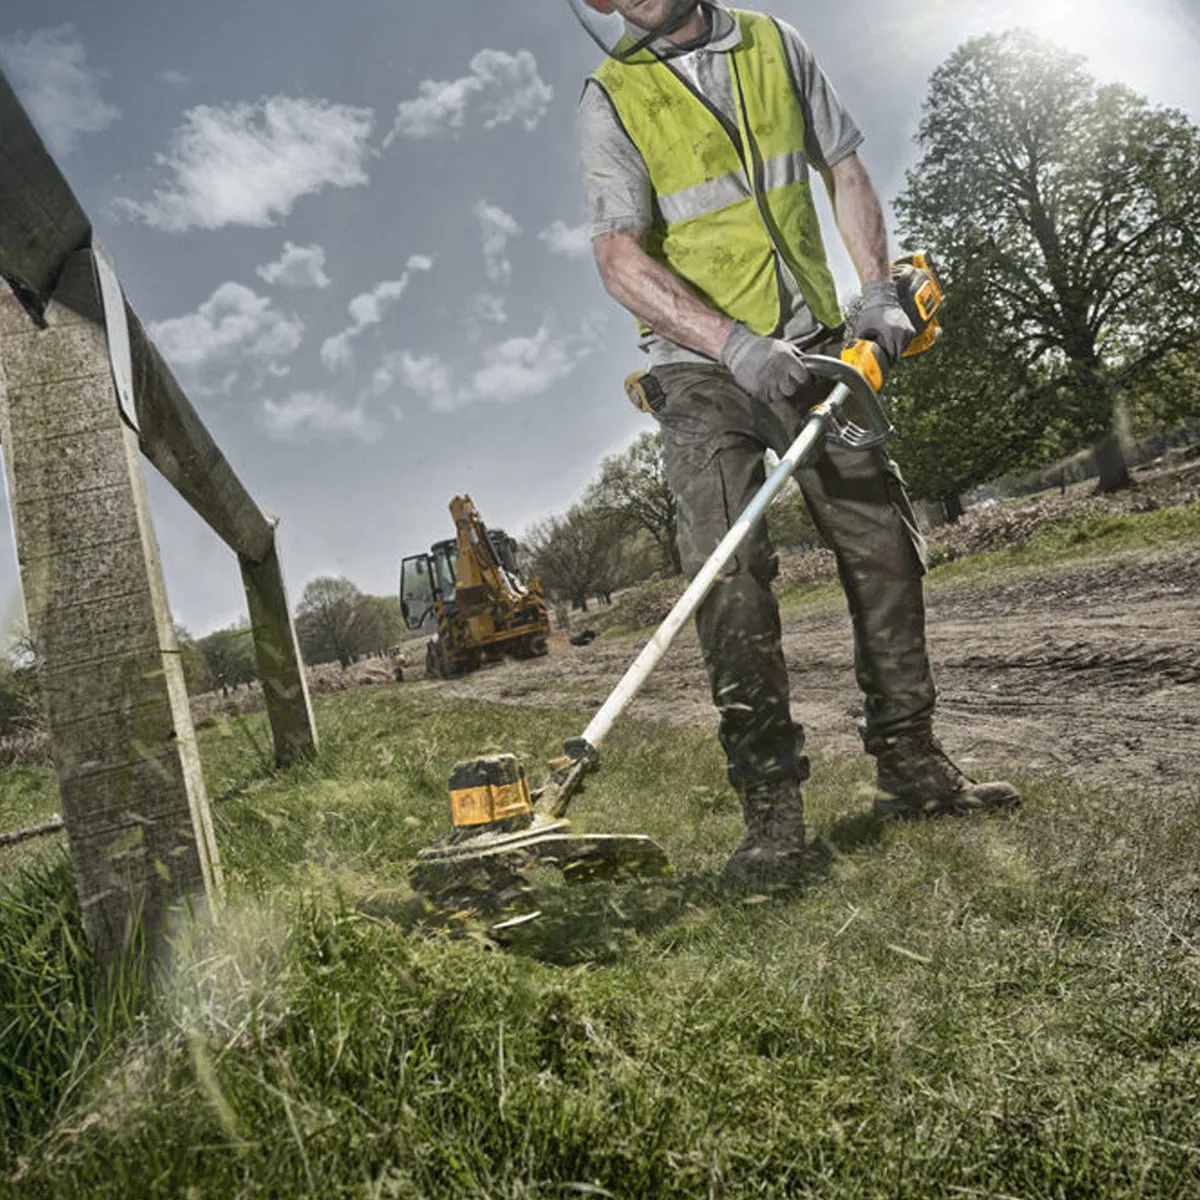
<point x="1092" y="673"/>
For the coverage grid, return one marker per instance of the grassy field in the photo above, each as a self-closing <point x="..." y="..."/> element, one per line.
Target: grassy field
<point x="1093" y="540"/>
<point x="1005" y="1008"/>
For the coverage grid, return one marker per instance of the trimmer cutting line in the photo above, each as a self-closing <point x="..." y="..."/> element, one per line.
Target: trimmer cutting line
<point x="500" y="826"/>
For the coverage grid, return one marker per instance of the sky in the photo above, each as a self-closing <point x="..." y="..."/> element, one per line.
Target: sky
<point x="355" y="232"/>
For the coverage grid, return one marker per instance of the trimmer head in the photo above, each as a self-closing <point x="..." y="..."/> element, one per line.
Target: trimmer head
<point x="498" y="835"/>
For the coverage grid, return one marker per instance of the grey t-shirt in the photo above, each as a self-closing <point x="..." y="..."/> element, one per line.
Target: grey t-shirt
<point x="616" y="182"/>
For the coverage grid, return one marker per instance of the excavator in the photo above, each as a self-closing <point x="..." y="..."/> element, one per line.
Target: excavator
<point x="469" y="590"/>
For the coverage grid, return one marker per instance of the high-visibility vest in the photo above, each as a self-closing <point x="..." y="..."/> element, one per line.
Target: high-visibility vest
<point x="733" y="202"/>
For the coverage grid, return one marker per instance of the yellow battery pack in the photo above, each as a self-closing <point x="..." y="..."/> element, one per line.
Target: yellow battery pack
<point x="486" y="790"/>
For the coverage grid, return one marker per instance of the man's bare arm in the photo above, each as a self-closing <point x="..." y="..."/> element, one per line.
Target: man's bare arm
<point x="656" y="295"/>
<point x="881" y="319"/>
<point x="859" y="218"/>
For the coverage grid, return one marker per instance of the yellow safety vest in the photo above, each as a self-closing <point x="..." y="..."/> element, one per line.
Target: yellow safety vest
<point x="731" y="206"/>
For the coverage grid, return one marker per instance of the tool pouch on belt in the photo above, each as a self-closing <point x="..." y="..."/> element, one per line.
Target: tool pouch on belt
<point x="645" y="392"/>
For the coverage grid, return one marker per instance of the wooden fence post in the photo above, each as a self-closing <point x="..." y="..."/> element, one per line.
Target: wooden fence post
<point x="133" y="798"/>
<point x="284" y="684"/>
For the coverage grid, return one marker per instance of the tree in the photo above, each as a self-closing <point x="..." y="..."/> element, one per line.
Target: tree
<point x="633" y="489"/>
<point x="197" y="677"/>
<point x="1065" y="215"/>
<point x="575" y="556"/>
<point x="334" y="620"/>
<point x="20" y="682"/>
<point x="966" y="413"/>
<point x="391" y="620"/>
<point x="229" y="655"/>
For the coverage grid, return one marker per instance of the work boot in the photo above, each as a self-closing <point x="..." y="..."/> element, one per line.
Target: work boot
<point x="916" y="778"/>
<point x="772" y="852"/>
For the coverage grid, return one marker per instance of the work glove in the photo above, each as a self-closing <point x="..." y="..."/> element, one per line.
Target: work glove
<point x="883" y="321"/>
<point x="767" y="368"/>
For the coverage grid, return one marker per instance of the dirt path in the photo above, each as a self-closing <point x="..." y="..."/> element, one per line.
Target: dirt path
<point x="1092" y="672"/>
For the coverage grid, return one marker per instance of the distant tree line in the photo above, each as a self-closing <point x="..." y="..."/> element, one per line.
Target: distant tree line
<point x="335" y="622"/>
<point x="624" y="530"/>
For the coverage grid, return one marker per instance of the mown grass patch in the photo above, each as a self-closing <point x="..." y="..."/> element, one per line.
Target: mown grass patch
<point x="973" y="1008"/>
<point x="1109" y="537"/>
<point x="28" y="797"/>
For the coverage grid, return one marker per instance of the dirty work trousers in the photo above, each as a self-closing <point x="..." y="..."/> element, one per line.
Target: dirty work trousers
<point x="714" y="437"/>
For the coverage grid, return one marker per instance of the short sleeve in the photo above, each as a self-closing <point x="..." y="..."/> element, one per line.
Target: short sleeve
<point x="616" y="184"/>
<point x="831" y="133"/>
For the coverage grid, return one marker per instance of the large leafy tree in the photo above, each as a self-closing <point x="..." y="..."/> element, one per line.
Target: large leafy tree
<point x="632" y="487"/>
<point x="576" y="555"/>
<point x="229" y="656"/>
<point x="335" y="620"/>
<point x="1065" y="214"/>
<point x="966" y="412"/>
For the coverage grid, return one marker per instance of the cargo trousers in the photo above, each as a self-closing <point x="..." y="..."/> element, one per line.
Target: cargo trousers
<point x="714" y="437"/>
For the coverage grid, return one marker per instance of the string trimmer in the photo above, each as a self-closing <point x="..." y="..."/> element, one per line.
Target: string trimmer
<point x="501" y="827"/>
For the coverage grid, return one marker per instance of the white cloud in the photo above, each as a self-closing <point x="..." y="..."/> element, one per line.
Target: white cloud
<point x="486" y="308"/>
<point x="571" y="240"/>
<point x="440" y="105"/>
<point x="336" y="351"/>
<point x="489" y="307"/>
<point x="297" y="266"/>
<point x="307" y="415"/>
<point x="383" y="378"/>
<point x="507" y="87"/>
<point x="248" y="164"/>
<point x="511" y="370"/>
<point x="173" y="77"/>
<point x="49" y="71"/>
<point x="496" y="228"/>
<point x="428" y="376"/>
<point x="367" y="309"/>
<point x="234" y="330"/>
<point x="513" y="89"/>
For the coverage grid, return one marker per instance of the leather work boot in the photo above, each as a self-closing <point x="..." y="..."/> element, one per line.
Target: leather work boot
<point x="916" y="778"/>
<point x="772" y="852"/>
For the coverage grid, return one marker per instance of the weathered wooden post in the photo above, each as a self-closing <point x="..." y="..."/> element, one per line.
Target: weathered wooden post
<point x="83" y="393"/>
<point x="280" y="667"/>
<point x="133" y="798"/>
<point x="175" y="440"/>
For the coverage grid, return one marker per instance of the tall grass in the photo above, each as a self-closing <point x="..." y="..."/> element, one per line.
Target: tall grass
<point x="999" y="1008"/>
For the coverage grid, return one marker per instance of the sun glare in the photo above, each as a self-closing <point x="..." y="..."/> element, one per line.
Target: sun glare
<point x="1153" y="50"/>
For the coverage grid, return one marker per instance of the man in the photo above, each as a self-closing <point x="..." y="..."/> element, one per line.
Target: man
<point x="697" y="135"/>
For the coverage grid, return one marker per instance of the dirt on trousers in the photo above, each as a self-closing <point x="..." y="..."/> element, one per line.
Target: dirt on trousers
<point x="1091" y="673"/>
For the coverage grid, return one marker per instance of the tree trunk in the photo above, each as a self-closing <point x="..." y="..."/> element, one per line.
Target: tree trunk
<point x="1110" y="462"/>
<point x="673" y="551"/>
<point x="1110" y="453"/>
<point x="952" y="506"/>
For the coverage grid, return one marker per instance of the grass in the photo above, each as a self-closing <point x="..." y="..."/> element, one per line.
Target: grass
<point x="1077" y="542"/>
<point x="1067" y="545"/>
<point x="998" y="1008"/>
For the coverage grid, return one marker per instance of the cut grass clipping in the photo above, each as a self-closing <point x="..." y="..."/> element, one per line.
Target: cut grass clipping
<point x="1005" y="1007"/>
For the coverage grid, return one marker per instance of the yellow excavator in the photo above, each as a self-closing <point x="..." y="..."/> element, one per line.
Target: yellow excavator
<point x="469" y="591"/>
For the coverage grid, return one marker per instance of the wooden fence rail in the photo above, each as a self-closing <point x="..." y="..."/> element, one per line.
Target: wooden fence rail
<point x="84" y="394"/>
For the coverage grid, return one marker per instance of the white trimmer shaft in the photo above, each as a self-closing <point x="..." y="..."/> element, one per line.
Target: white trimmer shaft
<point x="803" y="450"/>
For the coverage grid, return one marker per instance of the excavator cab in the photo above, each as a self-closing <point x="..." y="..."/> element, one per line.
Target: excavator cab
<point x="471" y="590"/>
<point x="426" y="580"/>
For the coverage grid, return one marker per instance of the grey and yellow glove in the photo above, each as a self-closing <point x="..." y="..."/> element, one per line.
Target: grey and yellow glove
<point x="883" y="321"/>
<point x="765" y="367"/>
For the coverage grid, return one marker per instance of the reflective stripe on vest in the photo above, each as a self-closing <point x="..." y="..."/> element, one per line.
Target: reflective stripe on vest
<point x="718" y="232"/>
